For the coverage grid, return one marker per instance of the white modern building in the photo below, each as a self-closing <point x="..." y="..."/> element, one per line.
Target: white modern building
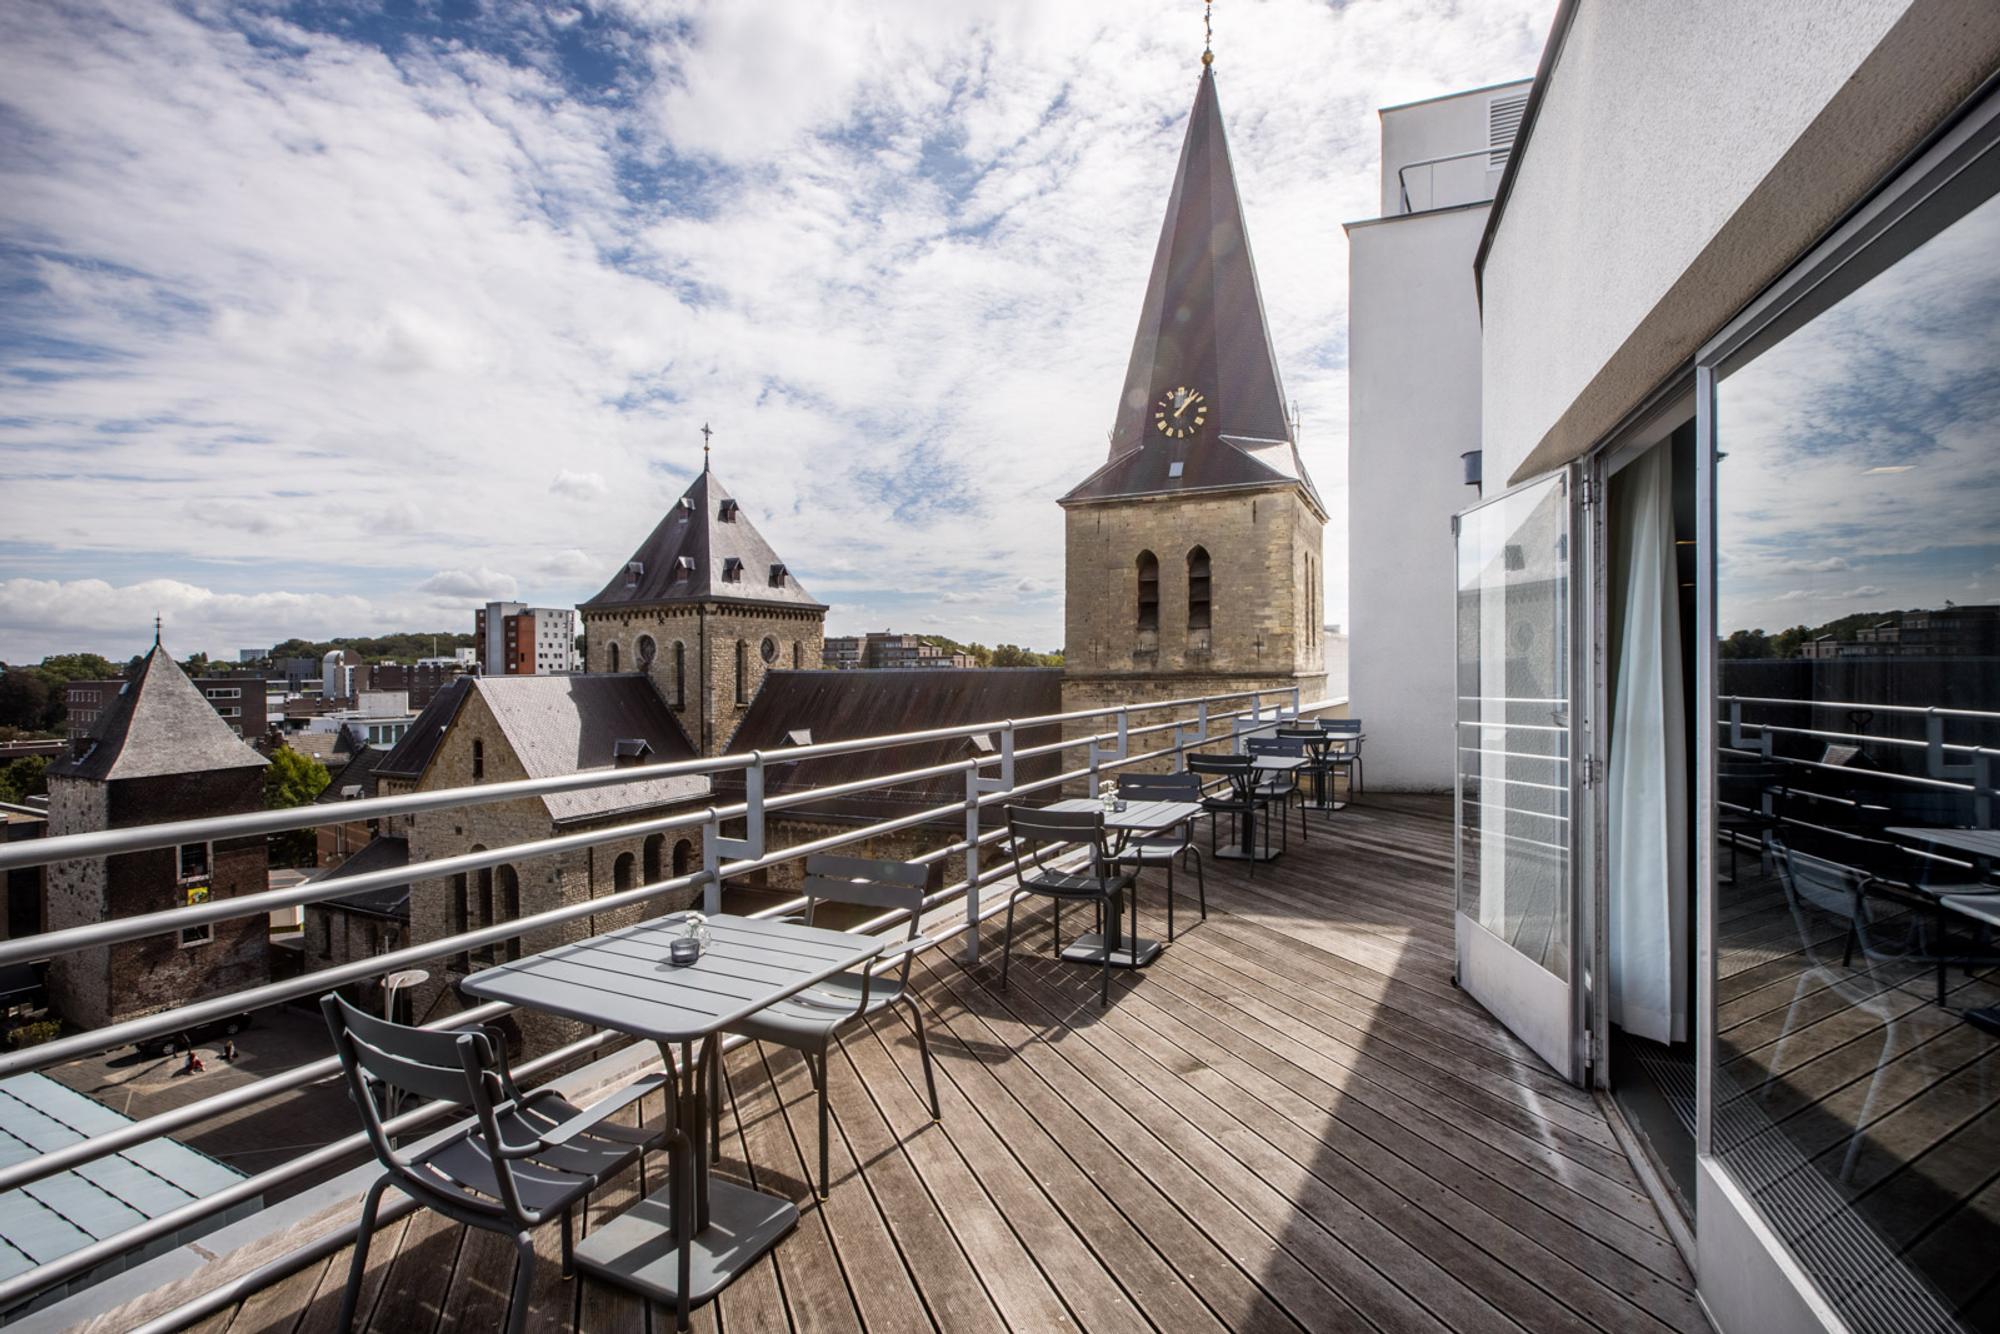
<point x="1728" y="339"/>
<point x="518" y="640"/>
<point x="1413" y="416"/>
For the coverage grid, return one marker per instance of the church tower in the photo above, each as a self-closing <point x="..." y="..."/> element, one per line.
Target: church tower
<point x="1193" y="555"/>
<point x="705" y="608"/>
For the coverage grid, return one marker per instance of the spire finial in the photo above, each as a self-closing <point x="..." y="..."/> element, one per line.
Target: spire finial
<point x="156" y="632"/>
<point x="705" y="433"/>
<point x="1207" y="34"/>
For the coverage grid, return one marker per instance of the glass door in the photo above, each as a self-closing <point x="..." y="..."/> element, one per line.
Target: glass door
<point x="1517" y="920"/>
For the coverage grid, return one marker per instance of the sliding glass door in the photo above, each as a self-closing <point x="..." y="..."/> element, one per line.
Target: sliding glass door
<point x="1516" y="742"/>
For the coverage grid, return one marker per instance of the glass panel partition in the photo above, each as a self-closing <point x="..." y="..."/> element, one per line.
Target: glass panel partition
<point x="1856" y="1069"/>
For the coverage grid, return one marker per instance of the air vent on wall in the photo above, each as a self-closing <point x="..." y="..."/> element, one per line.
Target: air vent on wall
<point x="1503" y="124"/>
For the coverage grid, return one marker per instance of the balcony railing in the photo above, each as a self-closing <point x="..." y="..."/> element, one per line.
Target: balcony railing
<point x="990" y="779"/>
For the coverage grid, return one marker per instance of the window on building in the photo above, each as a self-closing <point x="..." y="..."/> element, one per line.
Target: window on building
<point x="683" y="857"/>
<point x="742" y="672"/>
<point x="1198" y="589"/>
<point x="653" y="851"/>
<point x="644" y="650"/>
<point x="1149" y="591"/>
<point x="727" y="511"/>
<point x="192" y="895"/>
<point x="795" y="655"/>
<point x="777" y="576"/>
<point x="461" y="918"/>
<point x="193" y="861"/>
<point x="611" y="656"/>
<point x="680" y="674"/>
<point x="478" y="760"/>
<point x="768" y="651"/>
<point x="621" y="872"/>
<point x="508" y="882"/>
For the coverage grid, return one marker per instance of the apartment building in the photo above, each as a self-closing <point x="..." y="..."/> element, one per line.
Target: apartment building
<point x="518" y="640"/>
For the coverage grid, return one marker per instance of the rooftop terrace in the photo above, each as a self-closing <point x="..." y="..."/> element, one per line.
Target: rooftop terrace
<point x="1291" y="1120"/>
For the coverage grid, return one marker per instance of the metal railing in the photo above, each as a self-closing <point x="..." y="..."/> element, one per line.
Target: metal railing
<point x="990" y="778"/>
<point x="1972" y="776"/>
<point x="1475" y="191"/>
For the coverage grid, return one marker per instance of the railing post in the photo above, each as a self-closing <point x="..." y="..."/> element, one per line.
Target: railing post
<point x="1979" y="772"/>
<point x="1184" y="739"/>
<point x="977" y="783"/>
<point x="748" y="848"/>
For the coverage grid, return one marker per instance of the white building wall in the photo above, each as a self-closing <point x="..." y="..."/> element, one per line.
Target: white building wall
<point x="1683" y="155"/>
<point x="1413" y="408"/>
<point x="1440" y="127"/>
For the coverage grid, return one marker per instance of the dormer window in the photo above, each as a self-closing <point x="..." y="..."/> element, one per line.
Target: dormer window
<point x="727" y="511"/>
<point x="732" y="570"/>
<point x="778" y="576"/>
<point x="683" y="568"/>
<point x="633" y="569"/>
<point x="686" y="504"/>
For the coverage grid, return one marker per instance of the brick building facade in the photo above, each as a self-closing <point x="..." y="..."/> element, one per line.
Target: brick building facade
<point x="158" y="752"/>
<point x="1193" y="555"/>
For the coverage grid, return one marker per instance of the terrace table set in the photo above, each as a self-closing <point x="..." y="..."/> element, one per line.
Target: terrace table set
<point x="683" y="1243"/>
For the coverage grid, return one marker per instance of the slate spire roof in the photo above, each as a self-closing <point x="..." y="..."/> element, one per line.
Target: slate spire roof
<point x="704" y="550"/>
<point x="158" y="724"/>
<point x="1202" y="328"/>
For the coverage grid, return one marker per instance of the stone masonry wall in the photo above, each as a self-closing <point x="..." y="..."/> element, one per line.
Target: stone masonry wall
<point x="707" y="707"/>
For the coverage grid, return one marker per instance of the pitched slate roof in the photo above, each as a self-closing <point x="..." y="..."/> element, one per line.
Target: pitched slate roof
<point x="158" y="724"/>
<point x="561" y="724"/>
<point x="381" y="853"/>
<point x="837" y="706"/>
<point x="357" y="772"/>
<point x="704" y="550"/>
<point x="1202" y="327"/>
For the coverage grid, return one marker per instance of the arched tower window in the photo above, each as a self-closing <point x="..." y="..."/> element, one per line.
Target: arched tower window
<point x="680" y="674"/>
<point x="742" y="672"/>
<point x="478" y="759"/>
<point x="611" y="657"/>
<point x="654" y="845"/>
<point x="509" y="907"/>
<point x="1198" y="589"/>
<point x="645" y="649"/>
<point x="1149" y="591"/>
<point x="621" y="872"/>
<point x="683" y="857"/>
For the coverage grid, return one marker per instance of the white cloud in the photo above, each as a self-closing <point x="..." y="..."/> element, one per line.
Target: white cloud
<point x="578" y="485"/>
<point x="893" y="252"/>
<point x="1826" y="565"/>
<point x="43" y="616"/>
<point x="482" y="585"/>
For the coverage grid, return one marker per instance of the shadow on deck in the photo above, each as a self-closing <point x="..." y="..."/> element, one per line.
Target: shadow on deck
<point x="1291" y="1120"/>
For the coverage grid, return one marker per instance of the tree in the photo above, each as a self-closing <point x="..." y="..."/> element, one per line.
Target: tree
<point x="24" y="778"/>
<point x="1745" y="644"/>
<point x="24" y="698"/>
<point x="67" y="667"/>
<point x="293" y="778"/>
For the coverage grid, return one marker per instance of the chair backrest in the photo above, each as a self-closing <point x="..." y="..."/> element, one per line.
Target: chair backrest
<point x="465" y="1069"/>
<point x="1160" y="787"/>
<point x="867" y="883"/>
<point x="1234" y="765"/>
<point x="1340" y="726"/>
<point x="1814" y="882"/>
<point x="1037" y="833"/>
<point x="1280" y="746"/>
<point x="1308" y="734"/>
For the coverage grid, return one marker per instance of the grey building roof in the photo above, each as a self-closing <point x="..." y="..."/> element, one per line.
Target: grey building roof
<point x="704" y="550"/>
<point x="382" y="853"/>
<point x="68" y="1211"/>
<point x="357" y="772"/>
<point x="158" y="724"/>
<point x="1202" y="327"/>
<point x="837" y="706"/>
<point x="559" y="725"/>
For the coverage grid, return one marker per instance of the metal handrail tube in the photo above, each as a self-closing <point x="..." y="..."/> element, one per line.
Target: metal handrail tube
<point x="141" y="925"/>
<point x="1921" y="709"/>
<point x="1943" y="783"/>
<point x="1908" y="743"/>
<point x="138" y="838"/>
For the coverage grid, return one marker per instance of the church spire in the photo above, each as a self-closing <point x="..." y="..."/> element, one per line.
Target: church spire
<point x="1203" y="405"/>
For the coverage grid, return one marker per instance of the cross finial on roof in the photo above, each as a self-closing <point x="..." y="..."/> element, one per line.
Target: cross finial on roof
<point x="1207" y="34"/>
<point x="156" y="632"/>
<point x="705" y="433"/>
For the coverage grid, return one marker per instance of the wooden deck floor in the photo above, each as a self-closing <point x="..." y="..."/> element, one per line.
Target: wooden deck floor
<point x="1291" y="1120"/>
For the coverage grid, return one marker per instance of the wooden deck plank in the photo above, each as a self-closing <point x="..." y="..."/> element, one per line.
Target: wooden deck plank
<point x="1291" y="1121"/>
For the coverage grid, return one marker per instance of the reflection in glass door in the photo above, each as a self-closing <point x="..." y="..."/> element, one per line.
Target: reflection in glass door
<point x="1515" y="891"/>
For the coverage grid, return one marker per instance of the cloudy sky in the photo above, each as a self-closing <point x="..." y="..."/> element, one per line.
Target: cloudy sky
<point x="317" y="321"/>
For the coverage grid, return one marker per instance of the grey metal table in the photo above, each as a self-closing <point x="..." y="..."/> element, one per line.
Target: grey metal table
<point x="1138" y="817"/>
<point x="1982" y="845"/>
<point x="681" y="1244"/>
<point x="1260" y="768"/>
<point x="1984" y="909"/>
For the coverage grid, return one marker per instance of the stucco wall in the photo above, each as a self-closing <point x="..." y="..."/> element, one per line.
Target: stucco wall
<point x="1683" y="156"/>
<point x="1413" y="408"/>
<point x="1435" y="128"/>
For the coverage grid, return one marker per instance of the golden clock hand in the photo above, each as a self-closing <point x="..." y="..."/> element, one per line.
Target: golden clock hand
<point x="1184" y="406"/>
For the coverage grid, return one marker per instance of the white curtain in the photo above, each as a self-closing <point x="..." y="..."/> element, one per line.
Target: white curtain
<point x="1648" y="772"/>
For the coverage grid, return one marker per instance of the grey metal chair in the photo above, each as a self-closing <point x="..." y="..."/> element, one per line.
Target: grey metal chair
<point x="810" y="1022"/>
<point x="1168" y="847"/>
<point x="524" y="1161"/>
<point x="1241" y="801"/>
<point x="1281" y="789"/>
<point x="1346" y="756"/>
<point x="1042" y="838"/>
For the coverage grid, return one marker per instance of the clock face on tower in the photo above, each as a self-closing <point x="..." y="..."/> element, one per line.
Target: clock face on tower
<point x="1180" y="412"/>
